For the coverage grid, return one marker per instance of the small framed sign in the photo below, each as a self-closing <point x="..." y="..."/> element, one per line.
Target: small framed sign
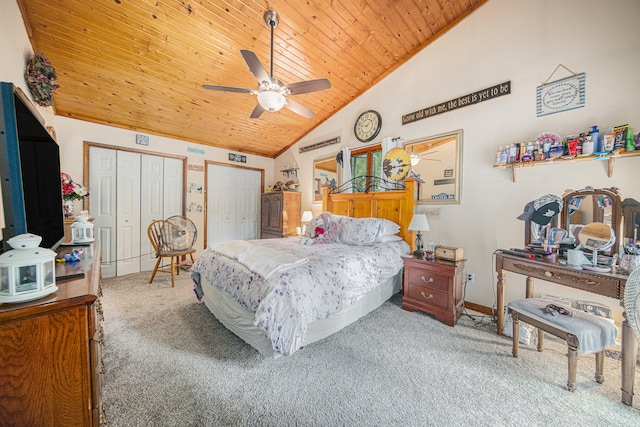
<point x="237" y="158"/>
<point x="561" y="95"/>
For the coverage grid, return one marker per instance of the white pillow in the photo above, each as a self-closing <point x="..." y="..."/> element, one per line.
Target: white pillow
<point x="388" y="238"/>
<point x="359" y="231"/>
<point x="388" y="228"/>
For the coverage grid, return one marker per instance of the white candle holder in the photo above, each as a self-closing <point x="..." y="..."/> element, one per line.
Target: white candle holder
<point x="27" y="272"/>
<point x="82" y="230"/>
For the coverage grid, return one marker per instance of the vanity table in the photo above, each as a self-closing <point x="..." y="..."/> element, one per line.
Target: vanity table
<point x="607" y="284"/>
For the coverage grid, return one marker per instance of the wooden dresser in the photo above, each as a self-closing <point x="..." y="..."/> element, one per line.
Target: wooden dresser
<point x="50" y="352"/>
<point x="281" y="214"/>
<point x="433" y="287"/>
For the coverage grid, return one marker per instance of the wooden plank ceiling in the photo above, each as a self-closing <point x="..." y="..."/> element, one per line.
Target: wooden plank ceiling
<point x="140" y="64"/>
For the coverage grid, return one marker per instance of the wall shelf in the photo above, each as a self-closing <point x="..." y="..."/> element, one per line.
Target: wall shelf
<point x="610" y="157"/>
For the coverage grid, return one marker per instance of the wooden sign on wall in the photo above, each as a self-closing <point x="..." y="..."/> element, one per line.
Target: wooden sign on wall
<point x="459" y="102"/>
<point x="332" y="141"/>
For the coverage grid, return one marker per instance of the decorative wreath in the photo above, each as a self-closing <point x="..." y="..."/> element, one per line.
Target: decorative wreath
<point x="41" y="79"/>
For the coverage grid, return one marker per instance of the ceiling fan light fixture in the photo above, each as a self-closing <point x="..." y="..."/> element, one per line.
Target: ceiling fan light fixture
<point x="271" y="101"/>
<point x="414" y="158"/>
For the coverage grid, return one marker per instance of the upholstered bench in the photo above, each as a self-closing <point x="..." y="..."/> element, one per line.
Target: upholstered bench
<point x="583" y="332"/>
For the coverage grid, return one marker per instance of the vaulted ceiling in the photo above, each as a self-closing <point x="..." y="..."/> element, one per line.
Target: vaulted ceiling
<point x="141" y="64"/>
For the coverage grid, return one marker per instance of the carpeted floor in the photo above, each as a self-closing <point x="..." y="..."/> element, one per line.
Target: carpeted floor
<point x="169" y="362"/>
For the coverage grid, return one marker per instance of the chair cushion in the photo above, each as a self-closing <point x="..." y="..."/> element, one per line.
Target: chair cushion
<point x="594" y="333"/>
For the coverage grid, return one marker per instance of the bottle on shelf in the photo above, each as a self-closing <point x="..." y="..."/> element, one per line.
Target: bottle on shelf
<point x="595" y="133"/>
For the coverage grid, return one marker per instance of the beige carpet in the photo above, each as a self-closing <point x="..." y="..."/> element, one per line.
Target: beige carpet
<point x="169" y="362"/>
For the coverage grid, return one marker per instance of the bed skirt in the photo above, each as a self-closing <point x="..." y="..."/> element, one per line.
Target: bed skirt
<point x="240" y="320"/>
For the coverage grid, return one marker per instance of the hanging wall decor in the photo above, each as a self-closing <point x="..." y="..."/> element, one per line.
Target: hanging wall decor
<point x="41" y="79"/>
<point x="560" y="95"/>
<point x="459" y="102"/>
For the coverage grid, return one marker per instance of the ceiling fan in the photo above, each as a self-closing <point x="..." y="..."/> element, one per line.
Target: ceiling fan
<point x="271" y="91"/>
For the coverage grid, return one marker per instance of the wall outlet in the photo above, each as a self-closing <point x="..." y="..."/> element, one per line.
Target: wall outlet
<point x="471" y="277"/>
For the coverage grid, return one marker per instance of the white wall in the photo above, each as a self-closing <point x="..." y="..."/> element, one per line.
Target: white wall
<point x="15" y="50"/>
<point x="522" y="42"/>
<point x="71" y="135"/>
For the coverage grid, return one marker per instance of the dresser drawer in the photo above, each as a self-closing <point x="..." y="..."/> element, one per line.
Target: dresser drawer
<point x="423" y="277"/>
<point x="427" y="295"/>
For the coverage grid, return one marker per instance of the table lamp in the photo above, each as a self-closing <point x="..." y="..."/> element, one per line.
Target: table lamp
<point x="306" y="217"/>
<point x="419" y="223"/>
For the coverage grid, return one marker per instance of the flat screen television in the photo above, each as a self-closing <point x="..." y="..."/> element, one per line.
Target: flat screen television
<point x="29" y="172"/>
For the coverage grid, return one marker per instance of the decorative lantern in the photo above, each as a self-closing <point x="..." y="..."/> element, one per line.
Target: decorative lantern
<point x="82" y="230"/>
<point x="27" y="272"/>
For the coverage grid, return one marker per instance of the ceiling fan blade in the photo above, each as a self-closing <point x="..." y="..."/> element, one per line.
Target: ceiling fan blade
<point x="257" y="112"/>
<point x="308" y="86"/>
<point x="298" y="108"/>
<point x="255" y="66"/>
<point x="230" y="89"/>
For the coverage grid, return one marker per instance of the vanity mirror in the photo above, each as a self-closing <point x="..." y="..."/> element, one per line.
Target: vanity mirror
<point x="438" y="162"/>
<point x="596" y="237"/>
<point x="589" y="205"/>
<point x="325" y="173"/>
<point x="631" y="214"/>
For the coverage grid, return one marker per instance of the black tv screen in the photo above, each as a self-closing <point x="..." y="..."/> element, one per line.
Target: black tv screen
<point x="30" y="172"/>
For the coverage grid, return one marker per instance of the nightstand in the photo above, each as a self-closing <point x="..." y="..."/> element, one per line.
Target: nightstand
<point x="433" y="287"/>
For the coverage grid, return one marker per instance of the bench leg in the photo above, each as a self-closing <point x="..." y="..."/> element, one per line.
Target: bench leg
<point x="599" y="367"/>
<point x="572" y="357"/>
<point x="516" y="333"/>
<point x="540" y="339"/>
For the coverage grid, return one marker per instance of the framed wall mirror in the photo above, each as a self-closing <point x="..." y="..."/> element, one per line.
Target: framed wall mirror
<point x="437" y="160"/>
<point x="325" y="173"/>
<point x="589" y="205"/>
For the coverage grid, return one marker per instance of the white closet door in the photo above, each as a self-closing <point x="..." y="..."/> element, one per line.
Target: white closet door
<point x="102" y="204"/>
<point x="233" y="203"/>
<point x="214" y="204"/>
<point x="243" y="189"/>
<point x="151" y="205"/>
<point x="173" y="187"/>
<point x="128" y="213"/>
<point x="254" y="204"/>
<point x="228" y="209"/>
<point x="247" y="202"/>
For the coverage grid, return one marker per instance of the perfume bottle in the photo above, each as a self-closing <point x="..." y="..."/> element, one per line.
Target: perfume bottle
<point x="430" y="253"/>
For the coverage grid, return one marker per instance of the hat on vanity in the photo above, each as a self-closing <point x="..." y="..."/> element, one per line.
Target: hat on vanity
<point x="542" y="210"/>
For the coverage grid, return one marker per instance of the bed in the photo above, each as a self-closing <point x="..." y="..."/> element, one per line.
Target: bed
<point x="279" y="295"/>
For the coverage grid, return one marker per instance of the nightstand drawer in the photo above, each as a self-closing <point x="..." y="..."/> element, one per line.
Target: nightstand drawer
<point x="427" y="295"/>
<point x="423" y="277"/>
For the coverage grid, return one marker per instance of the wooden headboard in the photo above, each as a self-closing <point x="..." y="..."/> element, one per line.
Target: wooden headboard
<point x="394" y="205"/>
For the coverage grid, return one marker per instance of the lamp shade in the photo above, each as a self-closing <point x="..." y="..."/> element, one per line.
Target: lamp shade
<point x="419" y="223"/>
<point x="271" y="101"/>
<point x="307" y="216"/>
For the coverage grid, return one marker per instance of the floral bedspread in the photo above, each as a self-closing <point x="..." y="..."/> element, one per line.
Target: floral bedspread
<point x="336" y="276"/>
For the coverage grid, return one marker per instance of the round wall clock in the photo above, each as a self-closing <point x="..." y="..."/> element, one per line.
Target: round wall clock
<point x="367" y="126"/>
<point x="396" y="164"/>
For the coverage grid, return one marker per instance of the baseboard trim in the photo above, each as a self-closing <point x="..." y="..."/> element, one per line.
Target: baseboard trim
<point x="479" y="308"/>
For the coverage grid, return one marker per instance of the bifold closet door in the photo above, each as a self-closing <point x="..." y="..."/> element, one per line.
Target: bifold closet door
<point x="161" y="193"/>
<point x="102" y="204"/>
<point x="127" y="192"/>
<point x="233" y="200"/>
<point x="128" y="213"/>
